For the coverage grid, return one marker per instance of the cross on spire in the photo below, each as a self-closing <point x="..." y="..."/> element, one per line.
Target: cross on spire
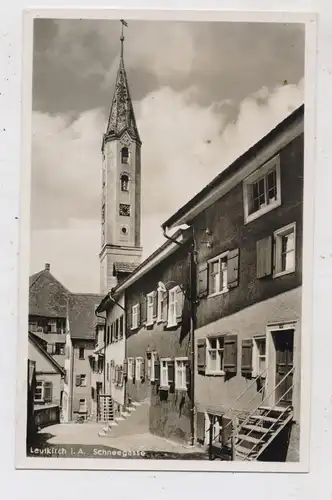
<point x="123" y="23"/>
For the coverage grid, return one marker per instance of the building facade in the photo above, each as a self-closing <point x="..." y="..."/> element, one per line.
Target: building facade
<point x="248" y="227"/>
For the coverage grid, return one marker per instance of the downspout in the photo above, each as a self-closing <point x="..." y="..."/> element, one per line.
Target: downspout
<point x="193" y="303"/>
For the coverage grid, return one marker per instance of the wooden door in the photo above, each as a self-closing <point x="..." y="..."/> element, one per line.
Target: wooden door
<point x="284" y="342"/>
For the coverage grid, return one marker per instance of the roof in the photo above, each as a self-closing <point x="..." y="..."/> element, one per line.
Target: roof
<point x="81" y="315"/>
<point x="38" y="343"/>
<point x="234" y="167"/>
<point x="180" y="236"/>
<point x="47" y="296"/>
<point x="124" y="267"/>
<point x="122" y="117"/>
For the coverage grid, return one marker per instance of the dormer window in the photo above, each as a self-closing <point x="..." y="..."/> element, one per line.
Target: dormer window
<point x="124" y="181"/>
<point x="124" y="155"/>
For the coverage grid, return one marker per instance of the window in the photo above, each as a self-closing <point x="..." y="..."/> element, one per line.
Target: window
<point x="218" y="274"/>
<point x="107" y="372"/>
<point x="82" y="380"/>
<point x="259" y="361"/>
<point x="121" y="330"/>
<point x="150" y="300"/>
<point x="215" y="355"/>
<point x="150" y="361"/>
<point x="82" y="406"/>
<point x="116" y="329"/>
<point x="131" y="368"/>
<point x="124" y="155"/>
<point x="262" y="190"/>
<point x="33" y="326"/>
<point x="175" y="302"/>
<point x="216" y="422"/>
<point x="52" y="326"/>
<point x="284" y="250"/>
<point x="59" y="349"/>
<point x="164" y="372"/>
<point x="181" y="373"/>
<point x="124" y="209"/>
<point x="124" y="180"/>
<point x="134" y="310"/>
<point x="139" y="369"/>
<point x="81" y="353"/>
<point x="39" y="391"/>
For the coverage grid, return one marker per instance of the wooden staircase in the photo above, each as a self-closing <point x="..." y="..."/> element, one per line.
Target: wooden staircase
<point x="105" y="412"/>
<point x="250" y="437"/>
<point x="257" y="432"/>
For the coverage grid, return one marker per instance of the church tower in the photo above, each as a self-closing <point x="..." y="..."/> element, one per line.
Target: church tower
<point x="121" y="250"/>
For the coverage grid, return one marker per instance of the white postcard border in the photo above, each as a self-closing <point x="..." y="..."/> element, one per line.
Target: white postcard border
<point x="24" y="462"/>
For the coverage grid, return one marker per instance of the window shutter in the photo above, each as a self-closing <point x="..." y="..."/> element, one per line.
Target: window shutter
<point x="121" y="376"/>
<point x="230" y="354"/>
<point x="125" y="368"/>
<point x="201" y="356"/>
<point x="200" y="425"/>
<point x="144" y="311"/>
<point x="142" y="374"/>
<point x="179" y="304"/>
<point x="48" y="392"/>
<point x="171" y="375"/>
<point x="121" y="327"/>
<point x="164" y="307"/>
<point x="202" y="278"/>
<point x="157" y="372"/>
<point x="49" y="348"/>
<point x="246" y="357"/>
<point x="78" y="380"/>
<point x="188" y="378"/>
<point x="264" y="257"/>
<point x="154" y="304"/>
<point x="129" y="319"/>
<point x="134" y="369"/>
<point x="233" y="268"/>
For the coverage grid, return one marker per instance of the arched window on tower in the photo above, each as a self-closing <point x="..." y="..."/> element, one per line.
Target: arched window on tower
<point x="124" y="180"/>
<point x="124" y="155"/>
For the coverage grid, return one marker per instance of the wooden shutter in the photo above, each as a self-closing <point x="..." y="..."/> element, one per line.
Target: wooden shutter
<point x="155" y="304"/>
<point x="78" y="380"/>
<point x="201" y="356"/>
<point x="121" y="327"/>
<point x="264" y="257"/>
<point x="164" y="306"/>
<point x="142" y="374"/>
<point x="171" y="375"/>
<point x="188" y="373"/>
<point x="121" y="376"/>
<point x="200" y="425"/>
<point x="179" y="304"/>
<point x="49" y="348"/>
<point x="157" y="372"/>
<point x="246" y="357"/>
<point x="125" y="368"/>
<point x="233" y="268"/>
<point x="129" y="319"/>
<point x="230" y="353"/>
<point x="202" y="279"/>
<point x="48" y="392"/>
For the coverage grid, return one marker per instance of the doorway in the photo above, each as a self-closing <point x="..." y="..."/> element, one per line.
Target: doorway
<point x="284" y="363"/>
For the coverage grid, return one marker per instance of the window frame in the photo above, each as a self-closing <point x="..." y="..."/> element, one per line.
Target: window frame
<point x="262" y="171"/>
<point x="130" y="368"/>
<point x="208" y="348"/>
<point x="149" y="308"/>
<point x="172" y="291"/>
<point x="179" y="387"/>
<point x="41" y="400"/>
<point x="153" y="359"/>
<point x="83" y="379"/>
<point x="138" y="368"/>
<point x="79" y="353"/>
<point x="256" y="356"/>
<point x="134" y="326"/>
<point x="277" y="253"/>
<point x="162" y="381"/>
<point x="52" y="323"/>
<point x="79" y="405"/>
<point x="218" y="258"/>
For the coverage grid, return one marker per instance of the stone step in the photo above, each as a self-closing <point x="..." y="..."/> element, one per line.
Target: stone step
<point x="125" y="414"/>
<point x="131" y="408"/>
<point x="135" y="403"/>
<point x="112" y="424"/>
<point x="118" y="419"/>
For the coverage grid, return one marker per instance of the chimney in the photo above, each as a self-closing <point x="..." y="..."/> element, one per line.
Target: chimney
<point x="47" y="267"/>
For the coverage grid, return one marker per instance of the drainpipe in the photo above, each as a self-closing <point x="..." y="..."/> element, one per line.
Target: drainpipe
<point x="105" y="333"/>
<point x="193" y="304"/>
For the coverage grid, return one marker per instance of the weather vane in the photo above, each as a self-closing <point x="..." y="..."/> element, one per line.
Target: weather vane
<point x="123" y="23"/>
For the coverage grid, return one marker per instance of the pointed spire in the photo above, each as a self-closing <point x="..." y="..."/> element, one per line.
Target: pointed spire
<point x="122" y="117"/>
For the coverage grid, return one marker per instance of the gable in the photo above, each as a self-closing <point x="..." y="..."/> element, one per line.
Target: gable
<point x="43" y="363"/>
<point x="47" y="296"/>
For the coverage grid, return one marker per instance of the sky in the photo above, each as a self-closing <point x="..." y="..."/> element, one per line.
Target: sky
<point x="203" y="93"/>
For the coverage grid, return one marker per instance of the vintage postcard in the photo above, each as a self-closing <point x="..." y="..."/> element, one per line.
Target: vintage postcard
<point x="166" y="234"/>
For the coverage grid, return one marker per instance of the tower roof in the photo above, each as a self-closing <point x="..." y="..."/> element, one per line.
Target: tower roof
<point x="122" y="117"/>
